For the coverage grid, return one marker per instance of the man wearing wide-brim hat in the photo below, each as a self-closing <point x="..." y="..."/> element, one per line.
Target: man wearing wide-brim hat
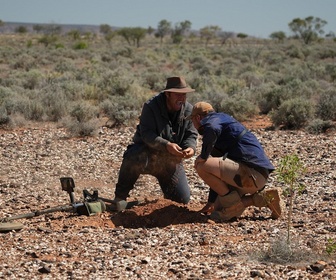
<point x="163" y="138"/>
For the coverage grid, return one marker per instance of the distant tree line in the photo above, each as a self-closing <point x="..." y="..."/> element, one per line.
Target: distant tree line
<point x="309" y="29"/>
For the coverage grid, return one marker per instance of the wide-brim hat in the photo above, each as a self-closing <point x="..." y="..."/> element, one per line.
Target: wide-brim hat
<point x="178" y="85"/>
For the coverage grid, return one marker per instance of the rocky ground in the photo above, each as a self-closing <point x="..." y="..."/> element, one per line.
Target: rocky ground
<point x="158" y="239"/>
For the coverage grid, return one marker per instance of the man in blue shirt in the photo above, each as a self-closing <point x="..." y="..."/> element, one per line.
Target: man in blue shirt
<point x="234" y="165"/>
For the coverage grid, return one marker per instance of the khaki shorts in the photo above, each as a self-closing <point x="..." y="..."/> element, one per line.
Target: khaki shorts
<point x="240" y="177"/>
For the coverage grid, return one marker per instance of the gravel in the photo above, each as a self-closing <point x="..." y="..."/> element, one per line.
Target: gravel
<point x="158" y="239"/>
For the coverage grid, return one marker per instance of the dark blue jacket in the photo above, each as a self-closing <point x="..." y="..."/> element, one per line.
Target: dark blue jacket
<point x="221" y="137"/>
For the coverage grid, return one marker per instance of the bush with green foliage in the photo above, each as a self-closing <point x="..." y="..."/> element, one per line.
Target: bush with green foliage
<point x="326" y="106"/>
<point x="293" y="113"/>
<point x="318" y="126"/>
<point x="289" y="173"/>
<point x="239" y="107"/>
<point x="44" y="82"/>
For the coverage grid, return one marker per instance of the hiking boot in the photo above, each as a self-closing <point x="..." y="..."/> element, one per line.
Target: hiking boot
<point x="232" y="207"/>
<point x="270" y="198"/>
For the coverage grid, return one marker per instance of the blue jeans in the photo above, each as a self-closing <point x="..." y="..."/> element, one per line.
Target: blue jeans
<point x="139" y="159"/>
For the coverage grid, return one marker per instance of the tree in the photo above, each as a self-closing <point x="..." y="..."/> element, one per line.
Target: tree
<point x="74" y="34"/>
<point x="184" y="26"/>
<point x="163" y="29"/>
<point x="242" y="35"/>
<point x="224" y="36"/>
<point x="279" y="35"/>
<point x="133" y="34"/>
<point x="21" y="29"/>
<point x="138" y="34"/>
<point x="209" y="32"/>
<point x="47" y="40"/>
<point x="109" y="36"/>
<point x="289" y="172"/>
<point x="180" y="30"/>
<point x="307" y="29"/>
<point x="105" y="29"/>
<point x="52" y="29"/>
<point x="150" y="30"/>
<point x="38" y="28"/>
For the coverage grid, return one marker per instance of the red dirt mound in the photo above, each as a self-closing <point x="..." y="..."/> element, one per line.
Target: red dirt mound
<point x="158" y="213"/>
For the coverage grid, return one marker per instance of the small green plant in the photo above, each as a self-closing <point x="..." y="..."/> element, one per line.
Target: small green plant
<point x="331" y="246"/>
<point x="289" y="172"/>
<point x="80" y="46"/>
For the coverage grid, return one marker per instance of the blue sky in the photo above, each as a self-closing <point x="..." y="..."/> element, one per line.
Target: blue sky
<point x="254" y="17"/>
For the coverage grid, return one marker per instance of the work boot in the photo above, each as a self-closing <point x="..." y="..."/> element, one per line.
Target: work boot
<point x="232" y="207"/>
<point x="270" y="198"/>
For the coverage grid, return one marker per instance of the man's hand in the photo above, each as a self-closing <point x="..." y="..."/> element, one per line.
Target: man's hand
<point x="174" y="149"/>
<point x="188" y="152"/>
<point x="208" y="209"/>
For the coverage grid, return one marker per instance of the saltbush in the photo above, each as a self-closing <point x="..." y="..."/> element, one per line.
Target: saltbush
<point x="326" y="105"/>
<point x="4" y="118"/>
<point x="238" y="107"/>
<point x="318" y="126"/>
<point x="293" y="113"/>
<point x="46" y="78"/>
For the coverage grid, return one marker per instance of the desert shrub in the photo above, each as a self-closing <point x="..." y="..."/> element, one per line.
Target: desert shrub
<point x="270" y="97"/>
<point x="5" y="92"/>
<point x="293" y="113"/>
<point x="114" y="83"/>
<point x="252" y="79"/>
<point x="325" y="53"/>
<point x="81" y="129"/>
<point x="154" y="80"/>
<point x="234" y="86"/>
<point x="24" y="62"/>
<point x="326" y="105"/>
<point x="55" y="103"/>
<point x="228" y="66"/>
<point x="73" y="90"/>
<point x="4" y="118"/>
<point x="32" y="79"/>
<point x="281" y="252"/>
<point x="80" y="46"/>
<point x="238" y="107"/>
<point x="331" y="71"/>
<point x="64" y="66"/>
<point x="202" y="65"/>
<point x="272" y="76"/>
<point x="118" y="116"/>
<point x="83" y="112"/>
<point x="295" y="51"/>
<point x="59" y="46"/>
<point x="34" y="110"/>
<point x="16" y="104"/>
<point x="318" y="126"/>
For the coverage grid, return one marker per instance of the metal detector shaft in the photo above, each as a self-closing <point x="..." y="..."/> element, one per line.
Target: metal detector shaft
<point x="64" y="208"/>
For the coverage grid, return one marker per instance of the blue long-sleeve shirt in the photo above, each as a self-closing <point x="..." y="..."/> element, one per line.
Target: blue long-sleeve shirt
<point x="221" y="137"/>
